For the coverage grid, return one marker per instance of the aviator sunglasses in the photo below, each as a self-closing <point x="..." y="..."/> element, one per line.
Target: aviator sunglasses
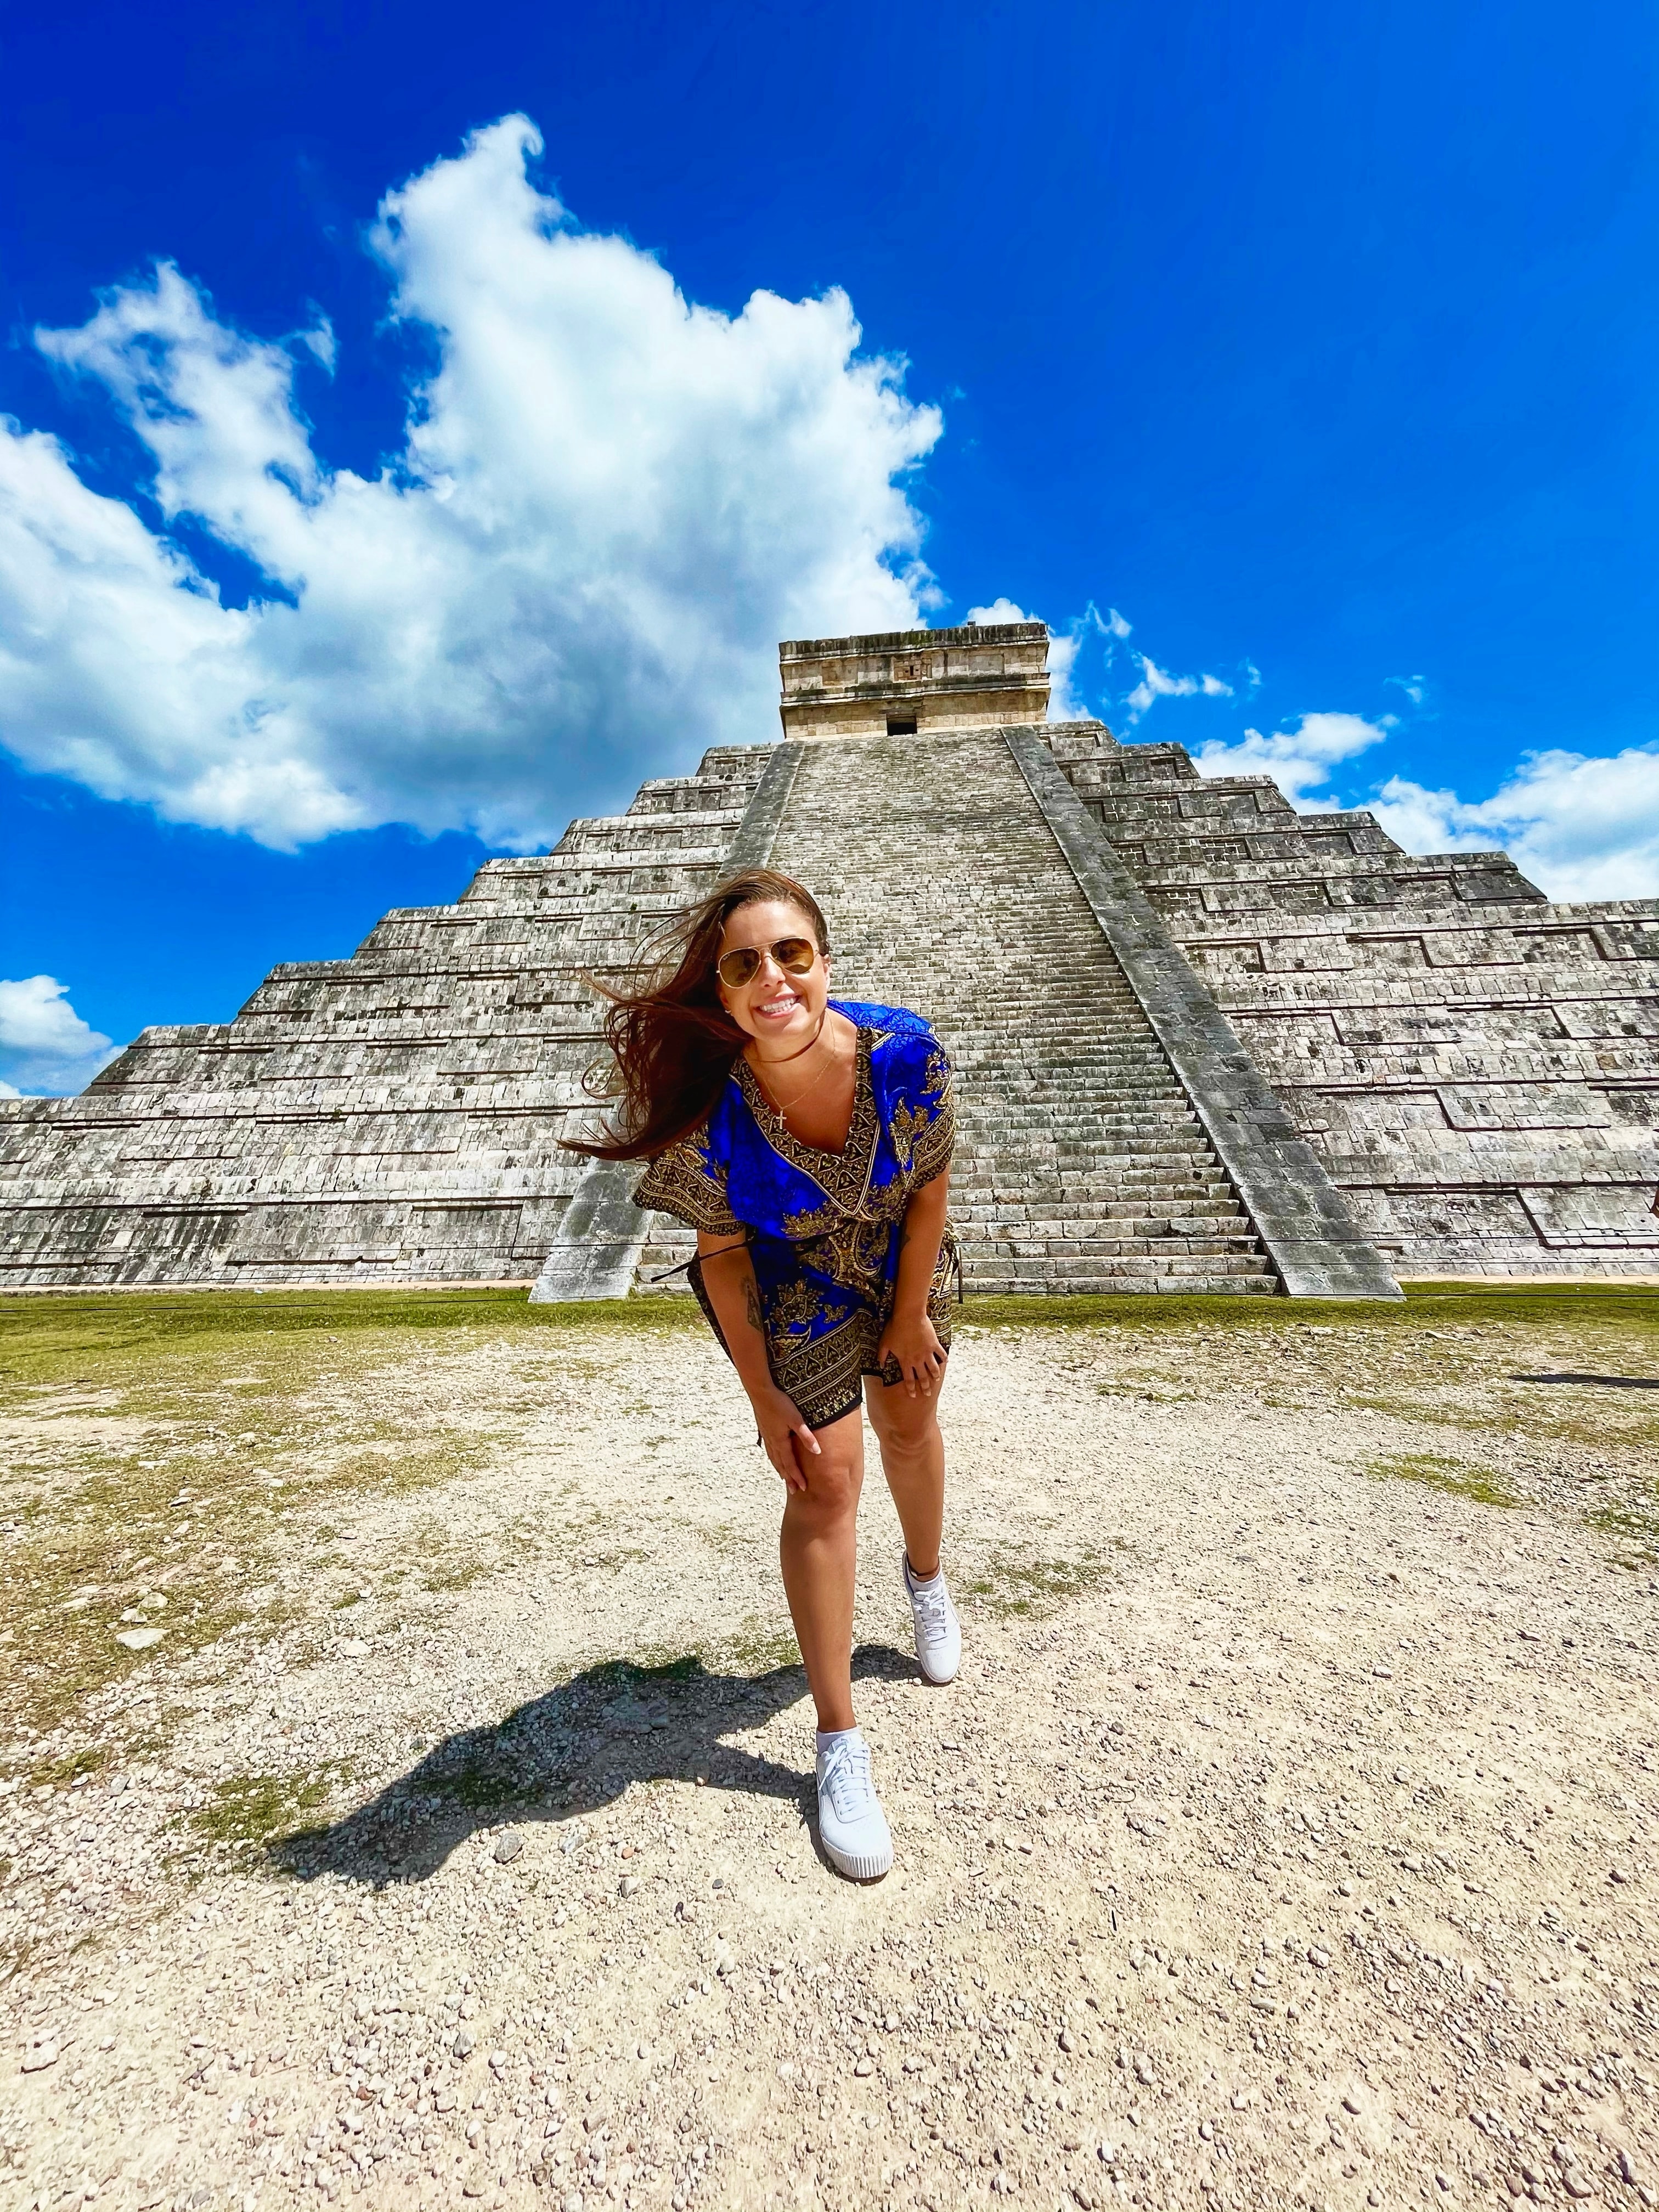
<point x="794" y="955"/>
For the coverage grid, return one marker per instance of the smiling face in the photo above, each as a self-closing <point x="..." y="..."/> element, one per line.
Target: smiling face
<point x="781" y="1012"/>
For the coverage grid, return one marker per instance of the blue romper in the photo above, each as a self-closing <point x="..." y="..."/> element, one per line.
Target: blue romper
<point x="822" y="1228"/>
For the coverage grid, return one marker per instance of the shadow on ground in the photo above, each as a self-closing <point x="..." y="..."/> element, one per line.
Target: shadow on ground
<point x="570" y="1752"/>
<point x="1606" y="1382"/>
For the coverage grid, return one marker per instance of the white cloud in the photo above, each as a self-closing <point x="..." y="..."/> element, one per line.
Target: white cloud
<point x="609" y="506"/>
<point x="1582" y="828"/>
<point x="1416" y="688"/>
<point x="1065" y="702"/>
<point x="44" y="1041"/>
<point x="1157" y="683"/>
<point x="1299" y="761"/>
<point x="1000" y="611"/>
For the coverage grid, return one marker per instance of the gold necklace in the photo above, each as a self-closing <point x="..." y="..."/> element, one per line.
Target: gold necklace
<point x="781" y="1111"/>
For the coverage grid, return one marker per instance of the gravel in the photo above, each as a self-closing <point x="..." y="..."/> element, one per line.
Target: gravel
<point x="1289" y="1836"/>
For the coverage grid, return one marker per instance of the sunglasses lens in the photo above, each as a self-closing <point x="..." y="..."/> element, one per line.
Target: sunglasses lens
<point x="794" y="955"/>
<point x="739" y="967"/>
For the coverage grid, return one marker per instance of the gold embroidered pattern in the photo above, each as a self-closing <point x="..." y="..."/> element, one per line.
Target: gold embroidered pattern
<point x="682" y="1182"/>
<point x="931" y="1146"/>
<point x="825" y="1376"/>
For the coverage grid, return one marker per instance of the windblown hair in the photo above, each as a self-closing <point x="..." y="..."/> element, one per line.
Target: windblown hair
<point x="673" y="1043"/>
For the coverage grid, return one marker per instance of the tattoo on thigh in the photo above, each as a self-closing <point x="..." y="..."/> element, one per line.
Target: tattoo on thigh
<point x="751" y="1304"/>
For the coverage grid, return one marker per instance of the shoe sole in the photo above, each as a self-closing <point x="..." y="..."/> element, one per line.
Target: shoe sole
<point x="857" y="1866"/>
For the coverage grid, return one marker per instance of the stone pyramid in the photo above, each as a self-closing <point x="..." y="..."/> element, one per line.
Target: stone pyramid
<point x="1204" y="1042"/>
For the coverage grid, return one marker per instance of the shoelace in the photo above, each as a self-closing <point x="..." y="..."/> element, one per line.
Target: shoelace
<point x="932" y="1611"/>
<point x="847" y="1778"/>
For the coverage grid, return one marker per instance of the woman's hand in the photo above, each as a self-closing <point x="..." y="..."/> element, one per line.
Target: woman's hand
<point x="913" y="1341"/>
<point x="784" y="1432"/>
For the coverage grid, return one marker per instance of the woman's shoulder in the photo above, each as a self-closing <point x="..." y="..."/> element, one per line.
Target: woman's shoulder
<point x="885" y="1021"/>
<point x="903" y="1049"/>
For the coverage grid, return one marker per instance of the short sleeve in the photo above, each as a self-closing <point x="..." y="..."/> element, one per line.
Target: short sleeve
<point x="689" y="1182"/>
<point x="923" y="1120"/>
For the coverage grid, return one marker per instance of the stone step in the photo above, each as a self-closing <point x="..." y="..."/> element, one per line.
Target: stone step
<point x="1080" y="1162"/>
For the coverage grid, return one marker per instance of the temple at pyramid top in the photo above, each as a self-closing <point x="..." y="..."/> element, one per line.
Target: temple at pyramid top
<point x="906" y="683"/>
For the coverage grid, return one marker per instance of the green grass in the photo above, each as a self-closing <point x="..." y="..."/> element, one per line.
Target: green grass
<point x="1477" y="1483"/>
<point x="51" y="1329"/>
<point x="245" y="1810"/>
<point x="1012" y="1584"/>
<point x="1636" y="1528"/>
<point x="1426" y="1305"/>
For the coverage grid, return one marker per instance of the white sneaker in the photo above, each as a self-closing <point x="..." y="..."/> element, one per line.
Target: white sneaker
<point x="939" y="1632"/>
<point x="850" y="1819"/>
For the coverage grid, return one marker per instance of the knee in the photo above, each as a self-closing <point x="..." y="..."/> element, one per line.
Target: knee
<point x="908" y="1430"/>
<point x="832" y="1494"/>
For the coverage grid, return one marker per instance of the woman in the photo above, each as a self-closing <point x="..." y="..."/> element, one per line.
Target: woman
<point x="807" y="1141"/>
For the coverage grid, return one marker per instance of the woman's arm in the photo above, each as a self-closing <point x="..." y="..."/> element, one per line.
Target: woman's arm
<point x="910" y="1337"/>
<point x="728" y="1276"/>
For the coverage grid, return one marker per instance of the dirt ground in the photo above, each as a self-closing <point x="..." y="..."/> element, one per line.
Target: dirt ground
<point x="1288" y="1838"/>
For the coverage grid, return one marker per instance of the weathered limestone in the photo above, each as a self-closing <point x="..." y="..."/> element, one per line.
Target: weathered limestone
<point x="394" y="1116"/>
<point x="1477" y="1068"/>
<point x="1308" y="1230"/>
<point x="1205" y="1042"/>
<point x="905" y="683"/>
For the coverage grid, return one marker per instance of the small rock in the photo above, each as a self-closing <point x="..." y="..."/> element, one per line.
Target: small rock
<point x="626" y="1887"/>
<point x="1351" y="2104"/>
<point x="1066" y="2042"/>
<point x="1206" y="2131"/>
<point x="572" y="2201"/>
<point x="1575" y="2185"/>
<point x="39" y="2056"/>
<point x="1385" y="1672"/>
<point x="1318" y="1956"/>
<point x="1445" y="2181"/>
<point x="140" y="1639"/>
<point x="862" y="2068"/>
<point x="1617" y="1874"/>
<point x="463" y="2043"/>
<point x="508" y="1844"/>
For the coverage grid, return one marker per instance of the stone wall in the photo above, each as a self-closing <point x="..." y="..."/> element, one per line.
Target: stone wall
<point x="1477" y="1068"/>
<point x="1204" y="1042"/>
<point x="394" y="1116"/>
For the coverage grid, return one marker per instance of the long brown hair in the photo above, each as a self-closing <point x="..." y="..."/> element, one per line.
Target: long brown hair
<point x="671" y="1041"/>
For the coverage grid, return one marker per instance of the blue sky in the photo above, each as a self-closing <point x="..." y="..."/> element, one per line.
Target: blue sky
<point x="1295" y="364"/>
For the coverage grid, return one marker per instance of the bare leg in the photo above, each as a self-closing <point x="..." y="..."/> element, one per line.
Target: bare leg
<point x="819" y="1551"/>
<point x="913" y="1460"/>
